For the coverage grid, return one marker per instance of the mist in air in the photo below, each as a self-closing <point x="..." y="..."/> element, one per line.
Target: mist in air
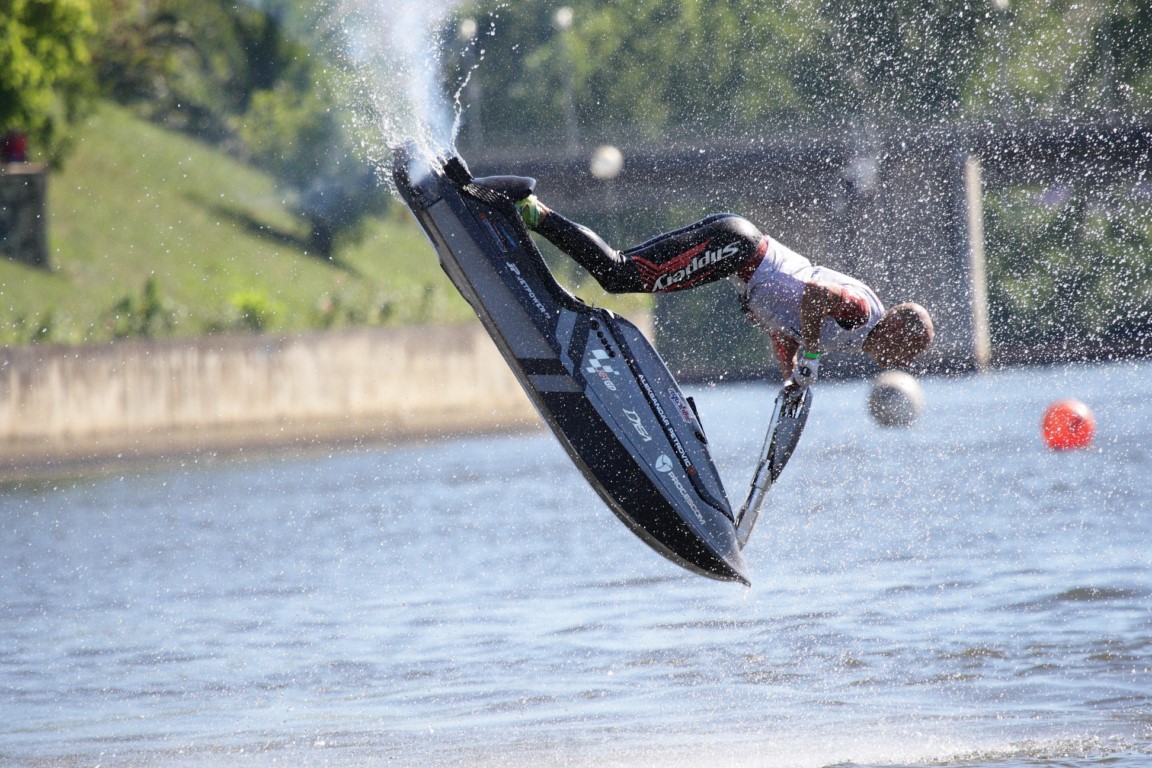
<point x="392" y="56"/>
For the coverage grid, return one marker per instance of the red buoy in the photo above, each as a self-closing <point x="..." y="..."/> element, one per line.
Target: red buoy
<point x="1068" y="424"/>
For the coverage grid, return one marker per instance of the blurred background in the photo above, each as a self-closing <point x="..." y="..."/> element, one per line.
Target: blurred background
<point x="214" y="166"/>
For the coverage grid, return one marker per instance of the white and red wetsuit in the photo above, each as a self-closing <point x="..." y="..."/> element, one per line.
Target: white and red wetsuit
<point x="769" y="277"/>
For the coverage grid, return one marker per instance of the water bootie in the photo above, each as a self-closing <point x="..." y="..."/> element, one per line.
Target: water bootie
<point x="531" y="211"/>
<point x="520" y="189"/>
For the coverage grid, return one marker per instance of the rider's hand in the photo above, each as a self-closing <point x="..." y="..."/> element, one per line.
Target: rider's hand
<point x="806" y="369"/>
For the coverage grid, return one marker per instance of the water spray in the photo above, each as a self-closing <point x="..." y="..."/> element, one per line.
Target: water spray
<point x="391" y="53"/>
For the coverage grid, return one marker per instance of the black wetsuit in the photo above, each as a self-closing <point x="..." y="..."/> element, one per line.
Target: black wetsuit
<point x="718" y="246"/>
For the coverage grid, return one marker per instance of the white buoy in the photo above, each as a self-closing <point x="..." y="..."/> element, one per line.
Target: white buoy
<point x="896" y="399"/>
<point x="606" y="163"/>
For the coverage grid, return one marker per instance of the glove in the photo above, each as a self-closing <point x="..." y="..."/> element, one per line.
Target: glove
<point x="806" y="369"/>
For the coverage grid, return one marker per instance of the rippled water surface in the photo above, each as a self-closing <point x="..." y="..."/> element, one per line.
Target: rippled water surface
<point x="953" y="594"/>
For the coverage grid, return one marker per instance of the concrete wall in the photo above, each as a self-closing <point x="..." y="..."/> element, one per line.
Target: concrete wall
<point x="138" y="398"/>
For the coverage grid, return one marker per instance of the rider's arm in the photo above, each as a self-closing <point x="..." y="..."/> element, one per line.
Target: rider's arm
<point x="785" y="348"/>
<point x="821" y="300"/>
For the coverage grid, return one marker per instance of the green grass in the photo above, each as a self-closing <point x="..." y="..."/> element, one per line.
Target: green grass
<point x="136" y="203"/>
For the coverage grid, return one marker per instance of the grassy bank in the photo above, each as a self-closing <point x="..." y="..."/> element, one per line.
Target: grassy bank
<point x="135" y="203"/>
<point x="150" y="231"/>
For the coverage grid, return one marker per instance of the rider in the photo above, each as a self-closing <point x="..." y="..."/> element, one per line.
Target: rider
<point x="806" y="310"/>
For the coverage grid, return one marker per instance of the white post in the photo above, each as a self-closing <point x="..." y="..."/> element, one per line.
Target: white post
<point x="977" y="274"/>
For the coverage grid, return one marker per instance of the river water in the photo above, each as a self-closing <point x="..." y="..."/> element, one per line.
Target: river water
<point x="953" y="594"/>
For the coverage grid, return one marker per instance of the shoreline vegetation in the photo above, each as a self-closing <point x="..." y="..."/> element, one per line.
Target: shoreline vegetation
<point x="152" y="234"/>
<point x="159" y="243"/>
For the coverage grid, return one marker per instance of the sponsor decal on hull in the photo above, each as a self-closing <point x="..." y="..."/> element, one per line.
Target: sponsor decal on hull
<point x="665" y="465"/>
<point x="597" y="367"/>
<point x="638" y="425"/>
<point x="667" y="424"/>
<point x="681" y="404"/>
<point x="515" y="270"/>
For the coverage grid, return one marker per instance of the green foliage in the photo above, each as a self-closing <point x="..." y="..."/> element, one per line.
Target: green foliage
<point x="147" y="314"/>
<point x="1065" y="59"/>
<point x="1072" y="264"/>
<point x="899" y="59"/>
<point x="646" y="64"/>
<point x="229" y="74"/>
<point x="37" y="329"/>
<point x="291" y="132"/>
<point x="193" y="64"/>
<point x="44" y="78"/>
<point x="204" y="227"/>
<point x="298" y="135"/>
<point x="651" y="65"/>
<point x="250" y="311"/>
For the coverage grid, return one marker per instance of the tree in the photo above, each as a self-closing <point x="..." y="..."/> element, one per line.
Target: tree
<point x="906" y="59"/>
<point x="298" y="134"/>
<point x="238" y="75"/>
<point x="1064" y="60"/>
<point x="646" y="65"/>
<point x="1071" y="262"/>
<point x="651" y="65"/>
<point x="44" y="75"/>
<point x="193" y="65"/>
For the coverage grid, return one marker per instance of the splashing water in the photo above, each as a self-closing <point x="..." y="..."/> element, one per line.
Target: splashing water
<point x="390" y="52"/>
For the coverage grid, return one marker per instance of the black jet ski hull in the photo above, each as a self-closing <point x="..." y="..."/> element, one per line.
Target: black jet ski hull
<point x="594" y="378"/>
